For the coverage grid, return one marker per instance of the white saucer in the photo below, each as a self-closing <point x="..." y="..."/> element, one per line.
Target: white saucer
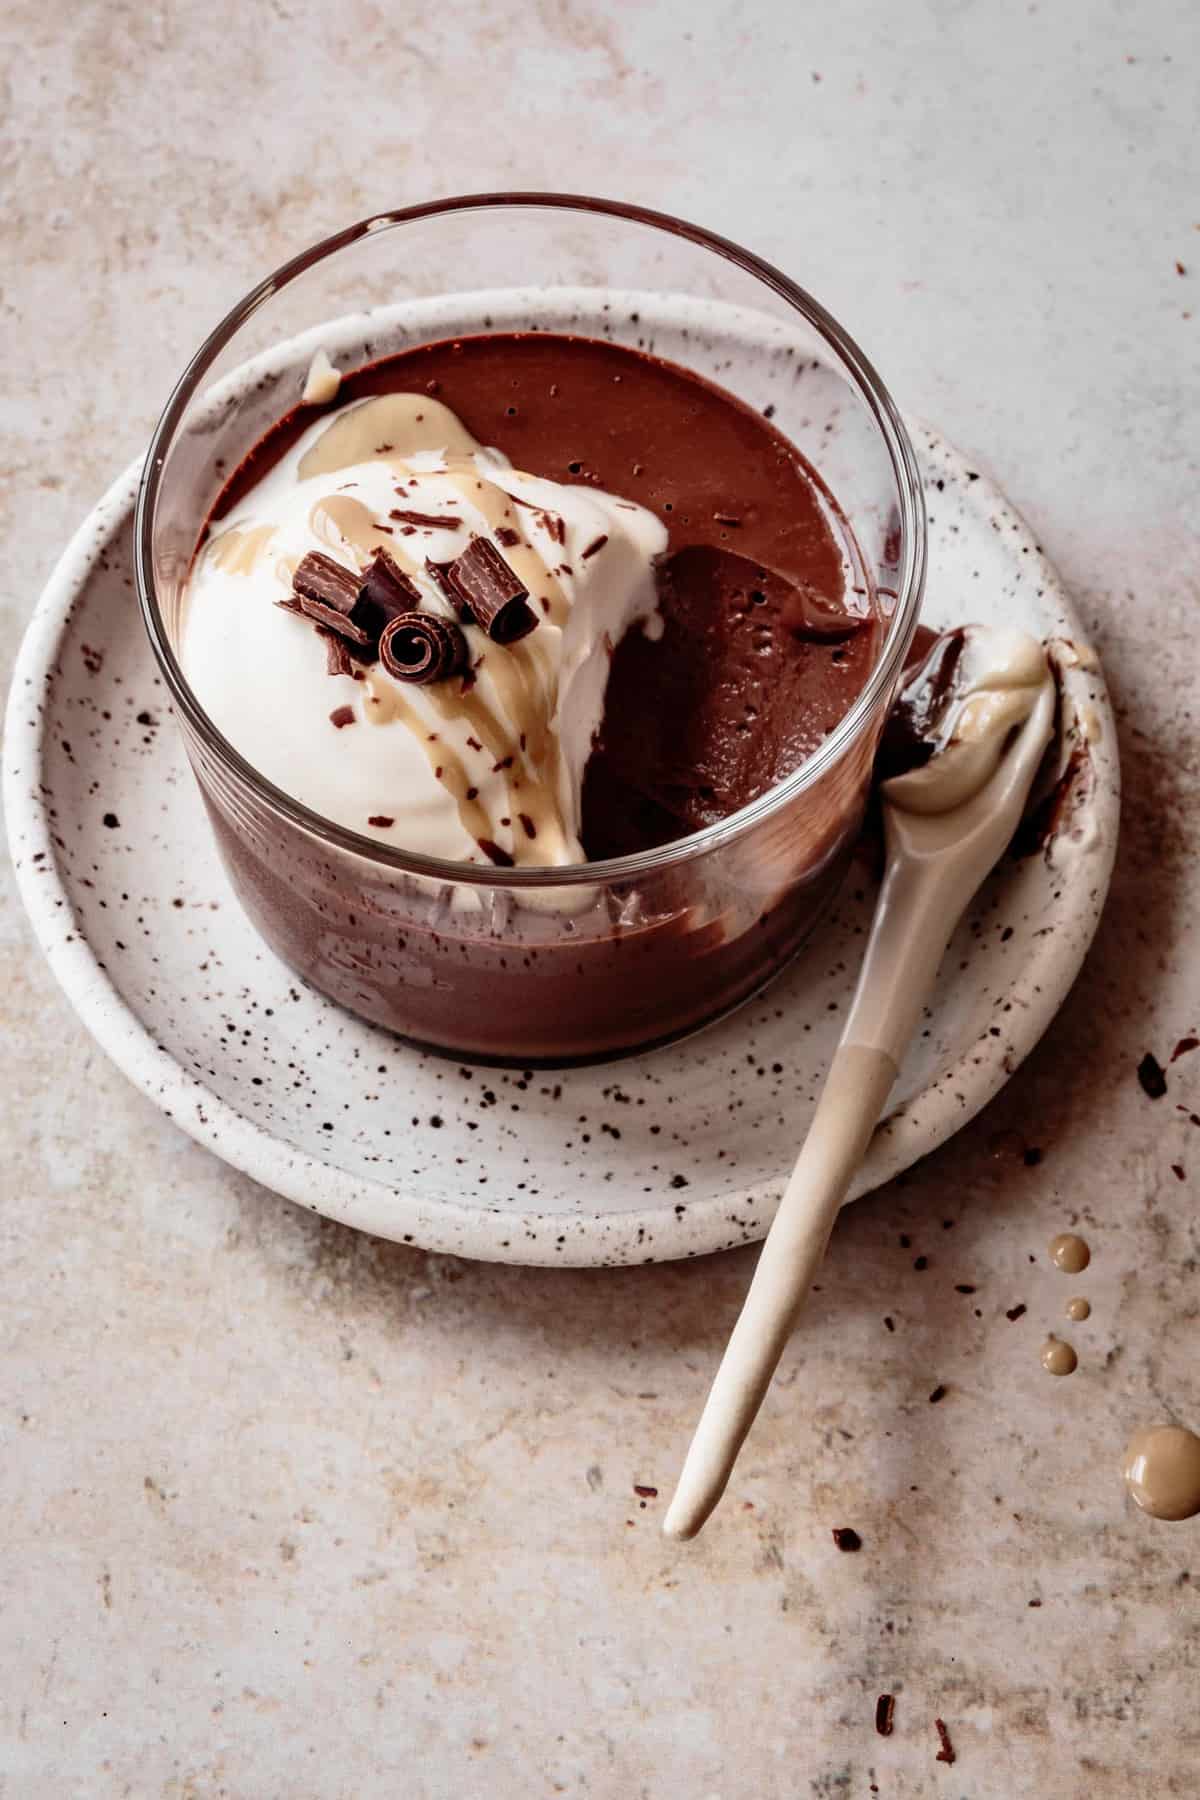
<point x="669" y="1155"/>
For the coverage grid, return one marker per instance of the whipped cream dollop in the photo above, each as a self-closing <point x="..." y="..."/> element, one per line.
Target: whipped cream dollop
<point x="485" y="769"/>
<point x="956" y="714"/>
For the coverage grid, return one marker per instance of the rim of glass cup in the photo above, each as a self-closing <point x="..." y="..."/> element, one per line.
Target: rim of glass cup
<point x="871" y="390"/>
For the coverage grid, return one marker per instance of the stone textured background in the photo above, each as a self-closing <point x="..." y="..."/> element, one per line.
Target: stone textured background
<point x="289" y="1512"/>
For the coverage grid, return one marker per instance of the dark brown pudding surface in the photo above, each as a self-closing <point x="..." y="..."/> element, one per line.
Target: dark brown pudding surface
<point x="764" y="650"/>
<point x="769" y="634"/>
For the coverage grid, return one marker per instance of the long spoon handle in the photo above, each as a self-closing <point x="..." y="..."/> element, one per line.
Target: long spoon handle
<point x="857" y="1086"/>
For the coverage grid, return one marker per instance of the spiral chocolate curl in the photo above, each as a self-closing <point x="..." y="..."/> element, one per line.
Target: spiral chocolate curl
<point x="422" y="647"/>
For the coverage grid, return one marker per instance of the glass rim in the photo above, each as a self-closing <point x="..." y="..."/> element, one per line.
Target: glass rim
<point x="871" y="391"/>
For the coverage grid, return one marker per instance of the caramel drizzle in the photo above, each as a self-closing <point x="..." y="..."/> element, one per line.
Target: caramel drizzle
<point x="517" y="673"/>
<point x="238" y="550"/>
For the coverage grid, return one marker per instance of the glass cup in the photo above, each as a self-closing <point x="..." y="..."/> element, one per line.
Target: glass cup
<point x="524" y="965"/>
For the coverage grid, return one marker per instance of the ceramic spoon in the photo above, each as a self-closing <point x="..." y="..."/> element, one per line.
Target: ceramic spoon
<point x="983" y="723"/>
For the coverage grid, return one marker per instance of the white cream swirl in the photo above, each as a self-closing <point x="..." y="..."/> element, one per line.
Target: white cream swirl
<point x="430" y="769"/>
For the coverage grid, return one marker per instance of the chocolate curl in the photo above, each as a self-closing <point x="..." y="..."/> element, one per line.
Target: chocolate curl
<point x="496" y="598"/>
<point x="385" y="593"/>
<point x="422" y="647"/>
<point x="327" y="594"/>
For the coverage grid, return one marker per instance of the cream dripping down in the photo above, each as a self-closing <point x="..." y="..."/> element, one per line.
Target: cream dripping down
<point x="449" y="771"/>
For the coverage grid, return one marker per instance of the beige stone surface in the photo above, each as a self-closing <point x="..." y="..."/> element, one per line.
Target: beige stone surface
<point x="290" y="1512"/>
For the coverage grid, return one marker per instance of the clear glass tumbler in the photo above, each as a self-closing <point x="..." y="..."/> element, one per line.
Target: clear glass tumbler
<point x="539" y="966"/>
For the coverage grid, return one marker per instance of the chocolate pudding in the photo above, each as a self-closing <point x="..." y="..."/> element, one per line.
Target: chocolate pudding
<point x="530" y="600"/>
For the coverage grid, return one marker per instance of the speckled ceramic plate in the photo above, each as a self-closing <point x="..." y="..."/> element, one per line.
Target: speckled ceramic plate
<point x="667" y="1155"/>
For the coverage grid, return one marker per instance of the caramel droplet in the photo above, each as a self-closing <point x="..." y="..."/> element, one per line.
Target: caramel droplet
<point x="1162" y="1471"/>
<point x="1069" y="1253"/>
<point x="1079" y="1308"/>
<point x="1058" y="1358"/>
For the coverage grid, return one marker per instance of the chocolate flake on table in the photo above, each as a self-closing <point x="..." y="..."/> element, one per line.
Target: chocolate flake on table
<point x="422" y="647"/>
<point x="595" y="545"/>
<point x="1150" y="1074"/>
<point x="846" y="1538"/>
<point x="342" y="716"/>
<point x="497" y="598"/>
<point x="408" y="515"/>
<point x="885" y="1710"/>
<point x="1016" y="1312"/>
<point x="494" y="853"/>
<point x="939" y="1393"/>
<point x="946" y="1753"/>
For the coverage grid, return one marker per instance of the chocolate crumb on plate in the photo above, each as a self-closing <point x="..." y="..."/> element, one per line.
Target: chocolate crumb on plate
<point x="595" y="545"/>
<point x="1150" y="1074"/>
<point x="1015" y="1312"/>
<point x="846" y="1538"/>
<point x="946" y="1753"/>
<point x="381" y="820"/>
<point x="645" y="1493"/>
<point x="939" y="1393"/>
<point x="885" y="1712"/>
<point x="1185" y="1045"/>
<point x="341" y="716"/>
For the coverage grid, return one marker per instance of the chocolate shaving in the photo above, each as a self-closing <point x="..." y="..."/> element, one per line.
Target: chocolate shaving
<point x="500" y="857"/>
<point x="645" y="1493"/>
<point x="380" y="819"/>
<point x="1150" y="1074"/>
<point x="441" y="574"/>
<point x="885" y="1710"/>
<point x="385" y="592"/>
<point x="342" y="716"/>
<point x="327" y="593"/>
<point x="596" y="544"/>
<point x="946" y="1753"/>
<point x="1016" y="1312"/>
<point x="496" y="597"/>
<point x="939" y="1393"/>
<point x="1184" y="1047"/>
<point x="507" y="536"/>
<point x="338" y="660"/>
<point x="318" y="578"/>
<point x="422" y="647"/>
<point x="431" y="521"/>
<point x="846" y="1538"/>
<point x="527" y="825"/>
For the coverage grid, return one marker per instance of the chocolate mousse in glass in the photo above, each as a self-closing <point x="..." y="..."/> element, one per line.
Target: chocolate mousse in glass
<point x="531" y="645"/>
